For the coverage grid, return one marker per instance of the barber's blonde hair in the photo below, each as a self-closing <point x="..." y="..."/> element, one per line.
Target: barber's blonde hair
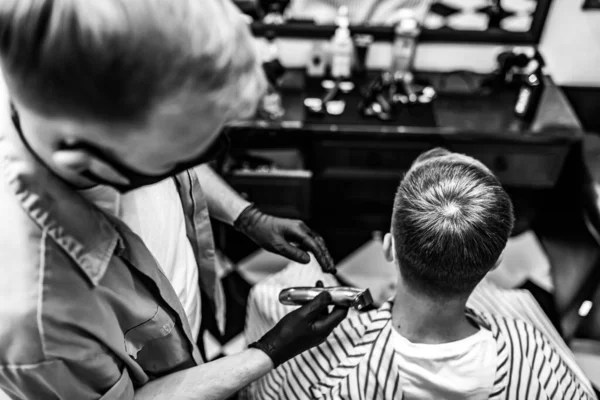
<point x="121" y="60"/>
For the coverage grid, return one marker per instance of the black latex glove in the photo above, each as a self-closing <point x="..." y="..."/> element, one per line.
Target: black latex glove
<point x="301" y="330"/>
<point x="277" y="235"/>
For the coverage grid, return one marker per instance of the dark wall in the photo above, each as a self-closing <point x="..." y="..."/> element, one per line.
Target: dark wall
<point x="586" y="102"/>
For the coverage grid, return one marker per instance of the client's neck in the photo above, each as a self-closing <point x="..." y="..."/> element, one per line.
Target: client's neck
<point x="423" y="319"/>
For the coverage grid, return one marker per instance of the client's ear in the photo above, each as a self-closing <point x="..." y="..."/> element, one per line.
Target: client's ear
<point x="498" y="262"/>
<point x="388" y="247"/>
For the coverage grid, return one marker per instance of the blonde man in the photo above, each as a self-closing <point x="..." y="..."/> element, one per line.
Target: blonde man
<point x="107" y="111"/>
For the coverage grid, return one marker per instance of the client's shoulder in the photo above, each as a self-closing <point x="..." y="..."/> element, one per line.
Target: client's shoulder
<point x="527" y="354"/>
<point x="516" y="336"/>
<point x="361" y="327"/>
<point x="505" y="326"/>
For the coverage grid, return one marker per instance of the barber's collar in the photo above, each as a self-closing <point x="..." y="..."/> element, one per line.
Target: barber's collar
<point x="106" y="198"/>
<point x="77" y="226"/>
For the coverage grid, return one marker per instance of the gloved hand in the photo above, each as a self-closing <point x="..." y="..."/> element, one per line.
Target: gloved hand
<point x="300" y="330"/>
<point x="276" y="235"/>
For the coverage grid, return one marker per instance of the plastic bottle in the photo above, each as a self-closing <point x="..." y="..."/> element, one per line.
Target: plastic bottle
<point x="342" y="48"/>
<point x="404" y="46"/>
<point x="530" y="94"/>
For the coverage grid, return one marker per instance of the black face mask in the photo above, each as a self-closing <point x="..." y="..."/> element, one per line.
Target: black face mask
<point x="136" y="179"/>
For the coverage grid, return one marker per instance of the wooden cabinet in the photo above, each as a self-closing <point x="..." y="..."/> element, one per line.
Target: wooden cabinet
<point x="519" y="166"/>
<point x="284" y="194"/>
<point x="334" y="157"/>
<point x="356" y="167"/>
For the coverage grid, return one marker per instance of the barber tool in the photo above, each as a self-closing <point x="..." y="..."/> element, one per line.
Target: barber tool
<point x="385" y="92"/>
<point x="412" y="93"/>
<point x="341" y="296"/>
<point x="272" y="66"/>
<point x="343" y="86"/>
<point x="377" y="100"/>
<point x="404" y="47"/>
<point x="398" y="86"/>
<point x="512" y="67"/>
<point x="271" y="105"/>
<point x="405" y="89"/>
<point x="328" y="104"/>
<point x="522" y="68"/>
<point x="530" y="94"/>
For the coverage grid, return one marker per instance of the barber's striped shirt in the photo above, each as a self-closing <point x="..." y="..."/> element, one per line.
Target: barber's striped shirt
<point x="358" y="362"/>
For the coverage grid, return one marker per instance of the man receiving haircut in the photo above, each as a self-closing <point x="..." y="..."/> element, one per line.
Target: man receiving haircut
<point x="451" y="221"/>
<point x="107" y="110"/>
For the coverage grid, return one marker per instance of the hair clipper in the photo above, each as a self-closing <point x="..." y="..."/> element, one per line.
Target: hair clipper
<point x="341" y="296"/>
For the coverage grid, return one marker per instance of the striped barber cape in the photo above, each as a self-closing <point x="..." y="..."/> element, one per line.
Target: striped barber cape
<point x="358" y="361"/>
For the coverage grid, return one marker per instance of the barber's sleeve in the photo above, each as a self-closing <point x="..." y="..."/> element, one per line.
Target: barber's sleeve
<point x="57" y="380"/>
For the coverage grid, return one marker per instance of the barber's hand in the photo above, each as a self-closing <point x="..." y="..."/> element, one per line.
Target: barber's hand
<point x="301" y="330"/>
<point x="277" y="235"/>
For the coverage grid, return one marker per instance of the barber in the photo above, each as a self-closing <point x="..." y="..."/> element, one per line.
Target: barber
<point x="108" y="113"/>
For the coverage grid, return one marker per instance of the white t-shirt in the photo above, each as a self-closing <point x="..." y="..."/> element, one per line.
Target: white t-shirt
<point x="464" y="369"/>
<point x="155" y="214"/>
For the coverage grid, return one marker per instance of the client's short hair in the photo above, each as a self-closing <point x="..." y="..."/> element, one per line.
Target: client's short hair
<point x="116" y="60"/>
<point x="450" y="223"/>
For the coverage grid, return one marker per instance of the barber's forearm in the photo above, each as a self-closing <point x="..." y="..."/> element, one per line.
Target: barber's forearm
<point x="216" y="380"/>
<point x="224" y="203"/>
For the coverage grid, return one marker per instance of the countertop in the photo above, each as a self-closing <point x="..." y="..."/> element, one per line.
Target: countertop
<point x="455" y="117"/>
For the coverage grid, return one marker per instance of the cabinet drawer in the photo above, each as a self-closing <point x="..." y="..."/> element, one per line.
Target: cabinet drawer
<point x="535" y="167"/>
<point x="371" y="155"/>
<point x="355" y="201"/>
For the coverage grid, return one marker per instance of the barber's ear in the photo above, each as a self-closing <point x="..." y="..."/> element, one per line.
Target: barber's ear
<point x="388" y="247"/>
<point x="77" y="161"/>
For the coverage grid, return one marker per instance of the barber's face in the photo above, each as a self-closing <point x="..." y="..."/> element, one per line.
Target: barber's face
<point x="125" y="156"/>
<point x="176" y="137"/>
<point x="163" y="149"/>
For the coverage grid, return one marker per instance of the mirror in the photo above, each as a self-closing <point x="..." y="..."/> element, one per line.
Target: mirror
<point x="360" y="12"/>
<point x="487" y="21"/>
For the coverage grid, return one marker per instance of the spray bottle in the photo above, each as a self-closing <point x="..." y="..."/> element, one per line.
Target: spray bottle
<point x="342" y="48"/>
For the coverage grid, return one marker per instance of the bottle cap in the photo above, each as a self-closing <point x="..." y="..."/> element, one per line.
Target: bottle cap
<point x="342" y="20"/>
